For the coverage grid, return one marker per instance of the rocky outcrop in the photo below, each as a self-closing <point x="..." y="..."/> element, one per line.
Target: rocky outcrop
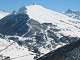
<point x="64" y="53"/>
<point x="4" y="57"/>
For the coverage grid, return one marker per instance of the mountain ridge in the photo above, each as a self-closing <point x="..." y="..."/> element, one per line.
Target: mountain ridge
<point x="39" y="29"/>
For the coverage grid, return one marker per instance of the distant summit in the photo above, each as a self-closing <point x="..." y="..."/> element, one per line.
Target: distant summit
<point x="73" y="14"/>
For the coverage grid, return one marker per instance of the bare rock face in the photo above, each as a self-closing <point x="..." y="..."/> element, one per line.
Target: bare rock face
<point x="14" y="23"/>
<point x="68" y="52"/>
<point x="73" y="55"/>
<point x="4" y="57"/>
<point x="7" y="58"/>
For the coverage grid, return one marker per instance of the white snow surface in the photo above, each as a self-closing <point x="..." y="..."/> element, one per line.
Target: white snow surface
<point x="15" y="51"/>
<point x="68" y="26"/>
<point x="3" y="14"/>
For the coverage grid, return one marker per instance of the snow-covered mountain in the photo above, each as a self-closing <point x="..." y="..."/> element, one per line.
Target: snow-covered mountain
<point x="39" y="30"/>
<point x="73" y="14"/>
<point x="3" y="14"/>
<point x="43" y="15"/>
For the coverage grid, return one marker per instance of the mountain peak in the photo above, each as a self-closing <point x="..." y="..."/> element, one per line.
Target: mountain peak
<point x="35" y="6"/>
<point x="43" y="15"/>
<point x="25" y="8"/>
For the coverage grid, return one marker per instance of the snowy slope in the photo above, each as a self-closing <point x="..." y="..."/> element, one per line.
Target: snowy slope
<point x="3" y="14"/>
<point x="41" y="35"/>
<point x="43" y="15"/>
<point x="14" y="51"/>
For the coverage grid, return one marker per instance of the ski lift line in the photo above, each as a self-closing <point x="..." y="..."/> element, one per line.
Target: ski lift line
<point x="6" y="47"/>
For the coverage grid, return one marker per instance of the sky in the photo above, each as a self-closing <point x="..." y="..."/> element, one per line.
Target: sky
<point x="58" y="5"/>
